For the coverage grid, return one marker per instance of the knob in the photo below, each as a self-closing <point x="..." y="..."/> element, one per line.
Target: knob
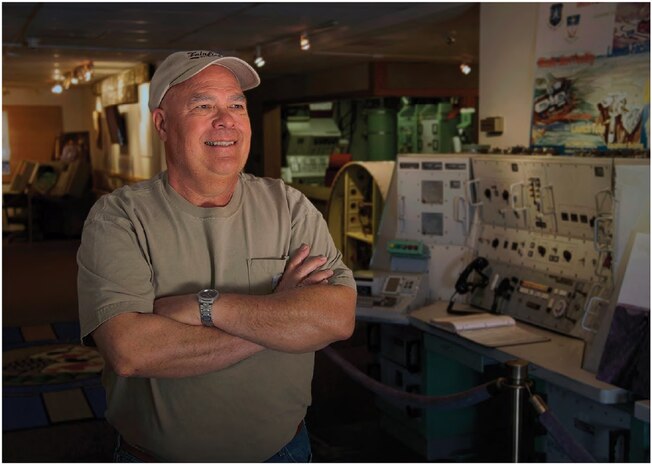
<point x="559" y="308"/>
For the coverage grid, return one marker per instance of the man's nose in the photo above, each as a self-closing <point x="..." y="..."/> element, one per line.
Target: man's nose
<point x="222" y="118"/>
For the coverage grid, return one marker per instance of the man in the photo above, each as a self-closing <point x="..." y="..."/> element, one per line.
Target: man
<point x="70" y="152"/>
<point x="208" y="330"/>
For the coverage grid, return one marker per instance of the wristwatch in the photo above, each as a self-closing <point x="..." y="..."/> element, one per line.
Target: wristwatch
<point x="206" y="297"/>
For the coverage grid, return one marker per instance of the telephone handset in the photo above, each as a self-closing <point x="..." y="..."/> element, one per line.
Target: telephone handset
<point x="467" y="283"/>
<point x="464" y="283"/>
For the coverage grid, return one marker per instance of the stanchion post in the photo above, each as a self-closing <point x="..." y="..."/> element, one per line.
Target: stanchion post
<point x="517" y="382"/>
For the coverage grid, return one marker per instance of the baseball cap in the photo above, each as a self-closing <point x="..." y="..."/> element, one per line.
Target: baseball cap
<point x="181" y="66"/>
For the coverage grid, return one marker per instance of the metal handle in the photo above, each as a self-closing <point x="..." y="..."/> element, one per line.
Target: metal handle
<point x="552" y="210"/>
<point x="596" y="244"/>
<point x="587" y="312"/>
<point x="456" y="213"/>
<point x="469" y="196"/>
<point x="512" y="196"/>
<point x="609" y="193"/>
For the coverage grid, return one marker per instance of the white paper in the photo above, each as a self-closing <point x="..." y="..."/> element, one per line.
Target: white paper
<point x="505" y="336"/>
<point x="473" y="322"/>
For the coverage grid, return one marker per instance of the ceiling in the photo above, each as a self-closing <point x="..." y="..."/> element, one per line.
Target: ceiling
<point x="40" y="37"/>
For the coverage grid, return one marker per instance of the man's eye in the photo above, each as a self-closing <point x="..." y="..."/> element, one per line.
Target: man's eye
<point x="205" y="106"/>
<point x="238" y="106"/>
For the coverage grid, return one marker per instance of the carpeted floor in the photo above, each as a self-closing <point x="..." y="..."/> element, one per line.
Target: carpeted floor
<point x="48" y="377"/>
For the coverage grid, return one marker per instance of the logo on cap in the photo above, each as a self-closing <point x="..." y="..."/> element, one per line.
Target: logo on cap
<point x="202" y="53"/>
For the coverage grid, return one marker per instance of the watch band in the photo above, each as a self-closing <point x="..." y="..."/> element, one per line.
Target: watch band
<point x="206" y="313"/>
<point x="206" y="298"/>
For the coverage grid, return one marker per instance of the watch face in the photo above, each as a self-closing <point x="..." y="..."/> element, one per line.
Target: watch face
<point x="208" y="294"/>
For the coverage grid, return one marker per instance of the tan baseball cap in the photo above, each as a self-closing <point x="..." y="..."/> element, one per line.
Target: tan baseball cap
<point x="181" y="66"/>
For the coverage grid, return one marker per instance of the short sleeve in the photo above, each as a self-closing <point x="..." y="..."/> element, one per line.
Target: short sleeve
<point x="309" y="227"/>
<point x="114" y="275"/>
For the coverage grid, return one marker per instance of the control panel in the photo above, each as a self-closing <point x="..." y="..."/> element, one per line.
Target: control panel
<point x="565" y="304"/>
<point x="432" y="198"/>
<point x="389" y="291"/>
<point x="545" y="230"/>
<point x="545" y="253"/>
<point x="569" y="196"/>
<point x="407" y="248"/>
<point x="307" y="165"/>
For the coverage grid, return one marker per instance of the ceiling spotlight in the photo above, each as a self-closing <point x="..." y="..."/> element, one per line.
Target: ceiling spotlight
<point x="465" y="68"/>
<point x="57" y="89"/>
<point x="304" y="41"/>
<point x="74" y="80"/>
<point x="87" y="72"/>
<point x="259" y="60"/>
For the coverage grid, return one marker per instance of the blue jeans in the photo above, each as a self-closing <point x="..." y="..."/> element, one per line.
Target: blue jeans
<point x="296" y="451"/>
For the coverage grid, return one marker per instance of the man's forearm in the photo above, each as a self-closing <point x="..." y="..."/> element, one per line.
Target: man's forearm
<point x="298" y="320"/>
<point x="303" y="314"/>
<point x="152" y="346"/>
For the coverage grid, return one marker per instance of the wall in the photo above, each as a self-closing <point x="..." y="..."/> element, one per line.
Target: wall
<point x="76" y="104"/>
<point x="507" y="65"/>
<point x="144" y="155"/>
<point x="34" y="132"/>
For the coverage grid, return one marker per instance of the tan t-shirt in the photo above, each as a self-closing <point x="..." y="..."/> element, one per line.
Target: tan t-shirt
<point x="146" y="241"/>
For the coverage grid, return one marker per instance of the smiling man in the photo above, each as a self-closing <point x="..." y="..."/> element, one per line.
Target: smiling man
<point x="208" y="290"/>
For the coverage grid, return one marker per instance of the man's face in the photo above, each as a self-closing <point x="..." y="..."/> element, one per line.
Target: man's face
<point x="205" y="127"/>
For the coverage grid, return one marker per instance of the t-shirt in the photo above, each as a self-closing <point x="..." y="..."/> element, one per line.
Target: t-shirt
<point x="146" y="241"/>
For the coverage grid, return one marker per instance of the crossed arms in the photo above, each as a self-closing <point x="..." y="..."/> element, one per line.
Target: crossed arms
<point x="303" y="314"/>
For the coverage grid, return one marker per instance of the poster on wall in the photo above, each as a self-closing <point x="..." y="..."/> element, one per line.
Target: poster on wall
<point x="592" y="78"/>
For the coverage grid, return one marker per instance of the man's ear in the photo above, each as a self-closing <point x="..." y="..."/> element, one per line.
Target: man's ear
<point x="158" y="117"/>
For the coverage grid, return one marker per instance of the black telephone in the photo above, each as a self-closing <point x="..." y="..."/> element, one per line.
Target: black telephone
<point x="465" y="283"/>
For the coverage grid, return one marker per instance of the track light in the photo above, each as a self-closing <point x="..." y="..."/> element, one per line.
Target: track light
<point x="57" y="89"/>
<point x="465" y="68"/>
<point x="259" y="60"/>
<point x="304" y="41"/>
<point x="81" y="73"/>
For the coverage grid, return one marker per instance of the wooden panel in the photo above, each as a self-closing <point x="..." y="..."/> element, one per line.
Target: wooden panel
<point x="341" y="82"/>
<point x="423" y="80"/>
<point x="33" y="132"/>
<point x="272" y="142"/>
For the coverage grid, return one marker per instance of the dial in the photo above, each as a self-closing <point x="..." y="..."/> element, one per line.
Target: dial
<point x="559" y="308"/>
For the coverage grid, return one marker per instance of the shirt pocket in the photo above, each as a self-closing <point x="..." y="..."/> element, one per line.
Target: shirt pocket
<point x="264" y="274"/>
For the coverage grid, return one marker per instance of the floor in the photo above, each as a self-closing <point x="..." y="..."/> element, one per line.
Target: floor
<point x="39" y="286"/>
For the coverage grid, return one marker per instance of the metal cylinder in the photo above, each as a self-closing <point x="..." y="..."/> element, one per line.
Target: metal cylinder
<point x="381" y="134"/>
<point x="538" y="404"/>
<point x="517" y="382"/>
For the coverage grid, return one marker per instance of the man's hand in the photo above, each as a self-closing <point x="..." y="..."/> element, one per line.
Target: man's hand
<point x="182" y="308"/>
<point x="302" y="270"/>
